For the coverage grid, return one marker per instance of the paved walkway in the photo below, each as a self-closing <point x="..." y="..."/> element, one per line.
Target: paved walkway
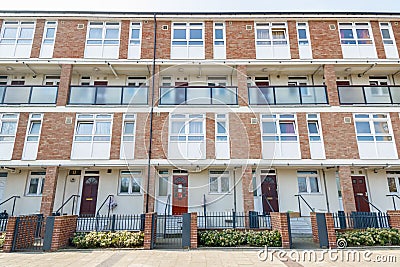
<point x="200" y="257"/>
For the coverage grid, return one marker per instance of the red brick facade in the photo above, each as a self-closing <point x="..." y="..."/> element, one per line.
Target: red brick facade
<point x="376" y="31"/>
<point x="20" y="136"/>
<point x="49" y="191"/>
<point x="70" y="41"/>
<point x="193" y="230"/>
<point x="148" y="229"/>
<point x="346" y="185"/>
<point x="329" y="227"/>
<point x="325" y="42"/>
<point x="294" y="47"/>
<point x="65" y="82"/>
<point x="124" y="39"/>
<point x="395" y="119"/>
<point x="330" y="82"/>
<point x="210" y="135"/>
<point x="116" y="136"/>
<point x="245" y="137"/>
<point x="279" y="222"/>
<point x="303" y="136"/>
<point x="64" y="229"/>
<point x="37" y="38"/>
<point x="247" y="191"/>
<point x="394" y="219"/>
<point x="208" y="39"/>
<point x="240" y="42"/>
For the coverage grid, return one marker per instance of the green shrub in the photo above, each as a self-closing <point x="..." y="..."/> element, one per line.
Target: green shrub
<point x="121" y="239"/>
<point x="234" y="238"/>
<point x="371" y="237"/>
<point x="2" y="239"/>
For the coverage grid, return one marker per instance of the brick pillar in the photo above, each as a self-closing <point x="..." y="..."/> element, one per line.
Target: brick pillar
<point x="49" y="191"/>
<point x="330" y="227"/>
<point x="247" y="191"/>
<point x="346" y="185"/>
<point x="65" y="82"/>
<point x="303" y="136"/>
<point x="314" y="227"/>
<point x="10" y="229"/>
<point x="148" y="223"/>
<point x="210" y="135"/>
<point x="151" y="191"/>
<point x="64" y="228"/>
<point x="243" y="96"/>
<point x="37" y="38"/>
<point x="330" y="81"/>
<point x="376" y="31"/>
<point x="193" y="230"/>
<point x="394" y="219"/>
<point x="294" y="47"/>
<point x="279" y="222"/>
<point x="123" y="47"/>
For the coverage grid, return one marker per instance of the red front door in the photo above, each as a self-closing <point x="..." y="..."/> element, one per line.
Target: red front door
<point x="89" y="195"/>
<point x="360" y="193"/>
<point x="270" y="193"/>
<point x="180" y="195"/>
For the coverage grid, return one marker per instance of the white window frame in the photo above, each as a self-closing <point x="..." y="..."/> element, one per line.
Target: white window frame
<point x="93" y="119"/>
<point x="8" y="117"/>
<point x="277" y="119"/>
<point x="314" y="118"/>
<point x="308" y="175"/>
<point x="163" y="174"/>
<point x="219" y="26"/>
<point x="34" y="118"/>
<point x="387" y="26"/>
<point x="19" y="25"/>
<point x="217" y="81"/>
<point x="135" y="26"/>
<point x="365" y="117"/>
<point x="49" y="25"/>
<point x="128" y="138"/>
<point x="187" y="26"/>
<point x="134" y="177"/>
<point x="136" y="81"/>
<point x="271" y="27"/>
<point x="41" y="180"/>
<point x="104" y="26"/>
<point x="303" y="26"/>
<point x="354" y="26"/>
<point x="222" y="118"/>
<point x="185" y="135"/>
<point x="219" y="175"/>
<point x="396" y="176"/>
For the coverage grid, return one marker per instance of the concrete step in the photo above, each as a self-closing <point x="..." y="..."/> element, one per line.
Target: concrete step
<point x="301" y="227"/>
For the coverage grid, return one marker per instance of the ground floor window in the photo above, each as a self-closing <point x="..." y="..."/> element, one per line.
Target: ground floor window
<point x="308" y="182"/>
<point x="130" y="182"/>
<point x="393" y="180"/>
<point x="35" y="183"/>
<point x="219" y="182"/>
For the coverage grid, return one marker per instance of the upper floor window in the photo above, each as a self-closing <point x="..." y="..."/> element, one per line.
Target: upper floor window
<point x="102" y="40"/>
<point x="219" y="40"/>
<point x="32" y="137"/>
<point x="187" y="40"/>
<point x="303" y="38"/>
<point x="272" y="41"/>
<point x="49" y="37"/>
<point x="389" y="42"/>
<point x="135" y="37"/>
<point x="315" y="136"/>
<point x="356" y="39"/>
<point x="8" y="130"/>
<point x="393" y="180"/>
<point x="16" y="39"/>
<point x="128" y="137"/>
<point x="221" y="137"/>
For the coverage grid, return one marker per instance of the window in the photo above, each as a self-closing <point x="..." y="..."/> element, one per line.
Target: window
<point x="222" y="146"/>
<point x="187" y="40"/>
<point x="387" y="33"/>
<point x="163" y="183"/>
<point x="302" y="33"/>
<point x="308" y="182"/>
<point x="219" y="182"/>
<point x="338" y="186"/>
<point x="8" y="127"/>
<point x="314" y="131"/>
<point x="102" y="40"/>
<point x="357" y="41"/>
<point x="280" y="127"/>
<point x="35" y="183"/>
<point x="219" y="40"/>
<point x="271" y="34"/>
<point x="217" y="81"/>
<point x="135" y="36"/>
<point x="393" y="180"/>
<point x="16" y="39"/>
<point x="49" y="35"/>
<point x="35" y="125"/>
<point x="128" y="137"/>
<point x="130" y="182"/>
<point x="372" y="127"/>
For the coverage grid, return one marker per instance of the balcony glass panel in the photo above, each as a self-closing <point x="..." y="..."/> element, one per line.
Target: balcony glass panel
<point x="225" y="96"/>
<point x="287" y="95"/>
<point x="313" y="95"/>
<point x="198" y="96"/>
<point x="135" y="95"/>
<point x="108" y="95"/>
<point x="44" y="95"/>
<point x="395" y="93"/>
<point x="261" y="95"/>
<point x="82" y="95"/>
<point x="172" y="96"/>
<point x="351" y="95"/>
<point x="377" y="95"/>
<point x="2" y="89"/>
<point x="17" y="95"/>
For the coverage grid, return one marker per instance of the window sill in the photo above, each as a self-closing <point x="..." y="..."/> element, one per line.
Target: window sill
<point x="311" y="194"/>
<point x="220" y="193"/>
<point x="129" y="194"/>
<point x="31" y="195"/>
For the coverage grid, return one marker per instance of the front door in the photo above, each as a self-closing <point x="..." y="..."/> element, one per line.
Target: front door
<point x="360" y="193"/>
<point x="180" y="195"/>
<point x="270" y="193"/>
<point x="89" y="195"/>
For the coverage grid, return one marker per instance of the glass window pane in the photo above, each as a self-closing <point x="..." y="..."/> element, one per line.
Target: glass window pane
<point x="214" y="184"/>
<point x="178" y="127"/>
<point x="392" y="184"/>
<point x="314" y="185"/>
<point x="26" y="33"/>
<point x="108" y="95"/>
<point x="124" y="187"/>
<point x="287" y="127"/>
<point x="302" y="33"/>
<point x="163" y="186"/>
<point x="346" y="33"/>
<point x="179" y="33"/>
<point x="196" y="34"/>
<point x="135" y="34"/>
<point x="278" y="35"/>
<point x="84" y="128"/>
<point x="362" y="34"/>
<point x="219" y="34"/>
<point x="224" y="96"/>
<point x="103" y="128"/>
<point x="135" y="95"/>
<point x="287" y="95"/>
<point x="10" y="33"/>
<point x="269" y="127"/>
<point x="381" y="127"/>
<point x="351" y="95"/>
<point x="33" y="186"/>
<point x="313" y="127"/>
<point x="172" y="96"/>
<point x="112" y="34"/>
<point x="17" y="95"/>
<point x="95" y="33"/>
<point x="129" y="128"/>
<point x="8" y="128"/>
<point x="221" y="128"/>
<point x="136" y="184"/>
<point x="224" y="184"/>
<point x="50" y="33"/>
<point x="198" y="96"/>
<point x="44" y="95"/>
<point x="262" y="34"/>
<point x="35" y="127"/>
<point x="385" y="33"/>
<point x="302" y="184"/>
<point x="363" y="127"/>
<point x="195" y="127"/>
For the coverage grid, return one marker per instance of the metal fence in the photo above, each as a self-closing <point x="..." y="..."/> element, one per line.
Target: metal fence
<point x="3" y="225"/>
<point x="233" y="220"/>
<point x="361" y="220"/>
<point x="114" y="222"/>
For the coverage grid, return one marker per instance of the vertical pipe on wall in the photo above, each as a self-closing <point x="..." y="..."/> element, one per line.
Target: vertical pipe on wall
<point x="326" y="191"/>
<point x="234" y="189"/>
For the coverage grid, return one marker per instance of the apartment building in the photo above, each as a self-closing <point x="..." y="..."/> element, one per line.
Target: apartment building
<point x="178" y="112"/>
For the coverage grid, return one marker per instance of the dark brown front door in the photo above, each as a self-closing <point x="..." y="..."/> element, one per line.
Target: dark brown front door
<point x="180" y="195"/>
<point x="89" y="195"/>
<point x="360" y="193"/>
<point x="270" y="193"/>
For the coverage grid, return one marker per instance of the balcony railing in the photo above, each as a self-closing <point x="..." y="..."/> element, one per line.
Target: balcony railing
<point x="19" y="95"/>
<point x="198" y="96"/>
<point x="108" y="95"/>
<point x="369" y="95"/>
<point x="288" y="95"/>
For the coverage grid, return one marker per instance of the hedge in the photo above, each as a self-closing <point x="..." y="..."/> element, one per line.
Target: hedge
<point x="371" y="237"/>
<point x="122" y="239"/>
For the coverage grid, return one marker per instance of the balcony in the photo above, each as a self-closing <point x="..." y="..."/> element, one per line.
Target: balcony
<point x="21" y="95"/>
<point x="198" y="96"/>
<point x="288" y="95"/>
<point x="108" y="95"/>
<point x="369" y="95"/>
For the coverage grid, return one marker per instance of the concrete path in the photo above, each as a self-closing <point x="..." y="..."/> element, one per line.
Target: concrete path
<point x="200" y="257"/>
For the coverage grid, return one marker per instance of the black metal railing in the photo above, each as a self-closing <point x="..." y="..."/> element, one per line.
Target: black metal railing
<point x="108" y="95"/>
<point x="20" y="94"/>
<point x="233" y="220"/>
<point x="364" y="95"/>
<point x="301" y="198"/>
<point x="198" y="95"/>
<point x="288" y="95"/>
<point x="109" y="199"/>
<point x="360" y="198"/>
<point x="73" y="198"/>
<point x="115" y="222"/>
<point x="3" y="224"/>
<point x="14" y="198"/>
<point x="360" y="220"/>
<point x="394" y="200"/>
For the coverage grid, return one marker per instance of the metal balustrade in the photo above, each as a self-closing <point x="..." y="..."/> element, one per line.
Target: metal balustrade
<point x="20" y="95"/>
<point x="369" y="95"/>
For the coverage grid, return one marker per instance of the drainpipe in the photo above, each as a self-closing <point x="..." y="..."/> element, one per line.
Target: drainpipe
<point x="234" y="189"/>
<point x="151" y="113"/>
<point x="326" y="191"/>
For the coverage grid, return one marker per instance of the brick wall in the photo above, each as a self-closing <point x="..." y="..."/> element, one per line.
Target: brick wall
<point x="65" y="82"/>
<point x="147" y="39"/>
<point x="49" y="191"/>
<point x="376" y="31"/>
<point x="303" y="136"/>
<point x="26" y="232"/>
<point x="64" y="229"/>
<point x="56" y="136"/>
<point x="243" y="95"/>
<point x="20" y="136"/>
<point x="37" y="38"/>
<point x="124" y="39"/>
<point x="396" y="33"/>
<point x="314" y="227"/>
<point x="10" y="230"/>
<point x="210" y="135"/>
<point x="70" y="41"/>
<point x="240" y="43"/>
<point x="394" y="219"/>
<point x="294" y="47"/>
<point x="329" y="227"/>
<point x="325" y="42"/>
<point x="279" y="222"/>
<point x="247" y="191"/>
<point x="152" y="191"/>
<point x="193" y="230"/>
<point x="245" y="138"/>
<point x="209" y="43"/>
<point x="330" y="81"/>
<point x="116" y="136"/>
<point x="160" y="135"/>
<point x="148" y="230"/>
<point x="346" y="185"/>
<point x="394" y="116"/>
<point x="141" y="145"/>
<point x="339" y="137"/>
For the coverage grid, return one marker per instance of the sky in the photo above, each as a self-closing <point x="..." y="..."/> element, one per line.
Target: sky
<point x="202" y="5"/>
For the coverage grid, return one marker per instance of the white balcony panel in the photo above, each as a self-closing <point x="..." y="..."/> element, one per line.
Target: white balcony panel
<point x="94" y="51"/>
<point x="127" y="150"/>
<point x="386" y="150"/>
<point x="101" y="150"/>
<point x="179" y="52"/>
<point x="367" y="51"/>
<point x="177" y="150"/>
<point x="6" y="149"/>
<point x="81" y="150"/>
<point x="281" y="52"/>
<point x="305" y="52"/>
<point x="196" y="52"/>
<point x="7" y="51"/>
<point x="219" y="52"/>
<point x="391" y="51"/>
<point x="196" y="150"/>
<point x="264" y="52"/>
<point x="111" y="51"/>
<point x="317" y="150"/>
<point x="222" y="150"/>
<point x="350" y="51"/>
<point x="30" y="151"/>
<point x="134" y="51"/>
<point x="23" y="51"/>
<point x="46" y="51"/>
<point x="290" y="150"/>
<point x="270" y="150"/>
<point x="360" y="51"/>
<point x="367" y="150"/>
